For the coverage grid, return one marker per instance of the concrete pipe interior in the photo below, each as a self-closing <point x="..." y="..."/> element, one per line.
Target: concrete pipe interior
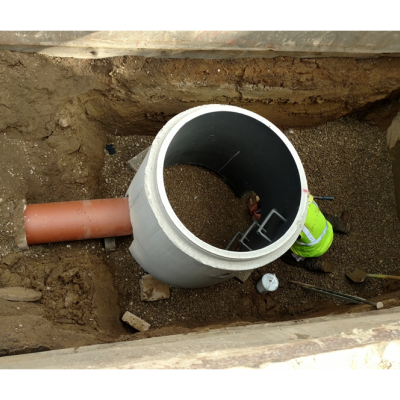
<point x="249" y="156"/>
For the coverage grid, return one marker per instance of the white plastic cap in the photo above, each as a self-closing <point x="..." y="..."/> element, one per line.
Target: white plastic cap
<point x="268" y="283"/>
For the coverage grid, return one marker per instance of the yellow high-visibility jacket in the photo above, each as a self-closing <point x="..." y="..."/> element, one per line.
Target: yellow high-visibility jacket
<point x="316" y="235"/>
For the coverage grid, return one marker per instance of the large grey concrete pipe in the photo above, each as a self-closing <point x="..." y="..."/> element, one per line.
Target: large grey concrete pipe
<point x="250" y="153"/>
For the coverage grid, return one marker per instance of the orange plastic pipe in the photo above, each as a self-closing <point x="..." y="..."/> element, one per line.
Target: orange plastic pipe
<point x="77" y="220"/>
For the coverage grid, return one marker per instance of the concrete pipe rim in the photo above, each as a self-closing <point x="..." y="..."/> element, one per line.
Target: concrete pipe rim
<point x="162" y="207"/>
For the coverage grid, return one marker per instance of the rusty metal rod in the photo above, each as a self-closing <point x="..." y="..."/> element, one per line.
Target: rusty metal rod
<point x="342" y="296"/>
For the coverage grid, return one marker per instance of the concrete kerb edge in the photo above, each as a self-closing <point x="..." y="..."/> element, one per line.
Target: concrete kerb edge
<point x="344" y="341"/>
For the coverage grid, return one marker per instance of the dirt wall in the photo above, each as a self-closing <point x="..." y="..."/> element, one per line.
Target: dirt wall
<point x="69" y="106"/>
<point x="138" y="95"/>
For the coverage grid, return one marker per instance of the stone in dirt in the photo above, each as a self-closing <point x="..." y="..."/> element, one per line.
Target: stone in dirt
<point x="393" y="132"/>
<point x="151" y="289"/>
<point x="11" y="258"/>
<point x="136" y="161"/>
<point x="19" y="225"/>
<point x="135" y="322"/>
<point x="243" y="276"/>
<point x="20" y="294"/>
<point x="109" y="244"/>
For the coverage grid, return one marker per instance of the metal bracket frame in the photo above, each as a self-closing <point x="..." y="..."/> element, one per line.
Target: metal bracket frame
<point x="260" y="231"/>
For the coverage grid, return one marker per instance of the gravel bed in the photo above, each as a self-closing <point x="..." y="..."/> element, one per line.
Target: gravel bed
<point x="346" y="159"/>
<point x="206" y="205"/>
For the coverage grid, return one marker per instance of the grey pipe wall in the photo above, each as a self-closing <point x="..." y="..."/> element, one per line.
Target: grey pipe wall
<point x="247" y="151"/>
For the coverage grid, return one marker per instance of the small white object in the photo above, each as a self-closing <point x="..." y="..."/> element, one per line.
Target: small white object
<point x="135" y="322"/>
<point x="268" y="283"/>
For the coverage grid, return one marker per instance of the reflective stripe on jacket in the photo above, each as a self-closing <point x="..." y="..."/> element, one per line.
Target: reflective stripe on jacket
<point x="316" y="235"/>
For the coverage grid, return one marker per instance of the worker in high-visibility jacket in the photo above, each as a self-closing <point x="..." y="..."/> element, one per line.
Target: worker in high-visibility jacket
<point x="315" y="238"/>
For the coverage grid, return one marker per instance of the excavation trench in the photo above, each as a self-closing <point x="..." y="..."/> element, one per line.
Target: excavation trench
<point x="58" y="120"/>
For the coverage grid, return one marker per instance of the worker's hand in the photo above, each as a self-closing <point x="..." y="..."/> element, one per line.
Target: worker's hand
<point x="257" y="214"/>
<point x="253" y="208"/>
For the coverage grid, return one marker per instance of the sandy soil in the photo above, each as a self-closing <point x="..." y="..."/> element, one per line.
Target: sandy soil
<point x="57" y="117"/>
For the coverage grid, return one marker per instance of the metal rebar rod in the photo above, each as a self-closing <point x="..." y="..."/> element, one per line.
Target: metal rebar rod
<point x="343" y="296"/>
